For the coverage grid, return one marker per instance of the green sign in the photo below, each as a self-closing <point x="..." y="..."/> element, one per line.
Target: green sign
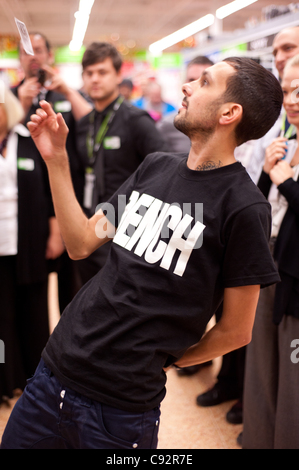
<point x="168" y="61"/>
<point x="63" y="55"/>
<point x="234" y="50"/>
<point x="9" y="54"/>
<point x="141" y="55"/>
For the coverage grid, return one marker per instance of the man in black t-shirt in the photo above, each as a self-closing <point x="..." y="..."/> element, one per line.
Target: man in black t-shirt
<point x="192" y="231"/>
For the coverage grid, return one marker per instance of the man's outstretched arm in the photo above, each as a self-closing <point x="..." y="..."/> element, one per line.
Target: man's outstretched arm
<point x="49" y="132"/>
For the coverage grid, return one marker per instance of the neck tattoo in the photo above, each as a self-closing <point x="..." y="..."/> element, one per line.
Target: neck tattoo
<point x="208" y="165"/>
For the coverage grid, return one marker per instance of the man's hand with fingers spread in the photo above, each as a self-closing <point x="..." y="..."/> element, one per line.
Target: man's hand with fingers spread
<point x="49" y="132"/>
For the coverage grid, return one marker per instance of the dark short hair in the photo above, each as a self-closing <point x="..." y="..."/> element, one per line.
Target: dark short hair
<point x="260" y="95"/>
<point x="98" y="52"/>
<point x="128" y="83"/>
<point x="200" y="60"/>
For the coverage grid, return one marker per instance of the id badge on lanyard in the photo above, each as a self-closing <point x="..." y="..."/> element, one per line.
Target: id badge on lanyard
<point x="90" y="181"/>
<point x="94" y="145"/>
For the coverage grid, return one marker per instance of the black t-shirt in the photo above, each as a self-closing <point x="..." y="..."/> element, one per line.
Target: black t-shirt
<point x="162" y="282"/>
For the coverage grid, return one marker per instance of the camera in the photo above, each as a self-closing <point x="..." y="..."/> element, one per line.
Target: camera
<point x="41" y="77"/>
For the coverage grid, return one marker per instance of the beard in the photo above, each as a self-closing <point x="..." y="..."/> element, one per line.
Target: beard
<point x="199" y="126"/>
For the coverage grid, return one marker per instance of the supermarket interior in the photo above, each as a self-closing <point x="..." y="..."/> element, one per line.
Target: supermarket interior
<point x="156" y="52"/>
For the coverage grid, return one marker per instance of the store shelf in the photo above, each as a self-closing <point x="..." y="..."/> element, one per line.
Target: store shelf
<point x="220" y="44"/>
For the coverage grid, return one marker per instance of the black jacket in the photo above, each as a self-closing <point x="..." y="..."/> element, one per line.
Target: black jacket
<point x="60" y="104"/>
<point x="286" y="252"/>
<point x="34" y="210"/>
<point x="136" y="137"/>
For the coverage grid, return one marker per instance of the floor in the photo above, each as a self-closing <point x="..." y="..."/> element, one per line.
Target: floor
<point x="184" y="425"/>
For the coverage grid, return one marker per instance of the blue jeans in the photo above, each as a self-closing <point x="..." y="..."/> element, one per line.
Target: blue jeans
<point x="51" y="416"/>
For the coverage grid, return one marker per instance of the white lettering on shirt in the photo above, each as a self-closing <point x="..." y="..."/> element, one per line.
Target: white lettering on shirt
<point x="148" y="229"/>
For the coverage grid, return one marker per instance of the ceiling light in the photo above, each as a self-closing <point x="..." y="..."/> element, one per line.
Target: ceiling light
<point x="82" y="19"/>
<point x="232" y="7"/>
<point x="181" y="34"/>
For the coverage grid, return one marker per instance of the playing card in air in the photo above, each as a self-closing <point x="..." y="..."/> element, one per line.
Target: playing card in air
<point x="24" y="37"/>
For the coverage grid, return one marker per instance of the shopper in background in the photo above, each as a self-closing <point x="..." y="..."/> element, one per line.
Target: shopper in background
<point x="26" y="242"/>
<point x="41" y="79"/>
<point x="126" y="88"/>
<point x="285" y="46"/>
<point x="112" y="140"/>
<point x="230" y="380"/>
<point x="42" y="82"/>
<point x="176" y="141"/>
<point x="271" y="417"/>
<point x="154" y="104"/>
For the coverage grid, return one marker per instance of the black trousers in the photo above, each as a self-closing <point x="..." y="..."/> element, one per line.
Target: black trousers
<point x="24" y="326"/>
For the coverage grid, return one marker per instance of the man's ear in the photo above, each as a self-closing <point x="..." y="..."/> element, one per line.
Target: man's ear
<point x="230" y="113"/>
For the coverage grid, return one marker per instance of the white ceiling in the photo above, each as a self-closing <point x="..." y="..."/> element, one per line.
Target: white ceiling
<point x="143" y="21"/>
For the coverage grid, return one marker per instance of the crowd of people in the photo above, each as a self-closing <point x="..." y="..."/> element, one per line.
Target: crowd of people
<point x="108" y="140"/>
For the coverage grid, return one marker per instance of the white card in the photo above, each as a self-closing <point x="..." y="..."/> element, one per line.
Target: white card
<point x="24" y="37"/>
<point x="90" y="180"/>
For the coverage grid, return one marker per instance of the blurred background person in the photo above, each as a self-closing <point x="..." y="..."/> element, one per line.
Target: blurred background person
<point x="153" y="102"/>
<point x="112" y="140"/>
<point x="143" y="84"/>
<point x="230" y="381"/>
<point x="27" y="241"/>
<point x="126" y="88"/>
<point x="42" y="82"/>
<point x="271" y="418"/>
<point x="285" y="46"/>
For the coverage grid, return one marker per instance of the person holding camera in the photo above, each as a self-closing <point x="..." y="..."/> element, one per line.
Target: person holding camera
<point x="43" y="82"/>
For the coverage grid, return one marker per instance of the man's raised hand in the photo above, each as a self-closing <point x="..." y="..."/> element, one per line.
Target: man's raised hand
<point x="49" y="132"/>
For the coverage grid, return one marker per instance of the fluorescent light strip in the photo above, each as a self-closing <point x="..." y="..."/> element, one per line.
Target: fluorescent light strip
<point x="182" y="34"/>
<point x="232" y="7"/>
<point x="82" y="19"/>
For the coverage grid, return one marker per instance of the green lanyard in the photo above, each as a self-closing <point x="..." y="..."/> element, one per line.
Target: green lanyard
<point x="93" y="144"/>
<point x="291" y="130"/>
